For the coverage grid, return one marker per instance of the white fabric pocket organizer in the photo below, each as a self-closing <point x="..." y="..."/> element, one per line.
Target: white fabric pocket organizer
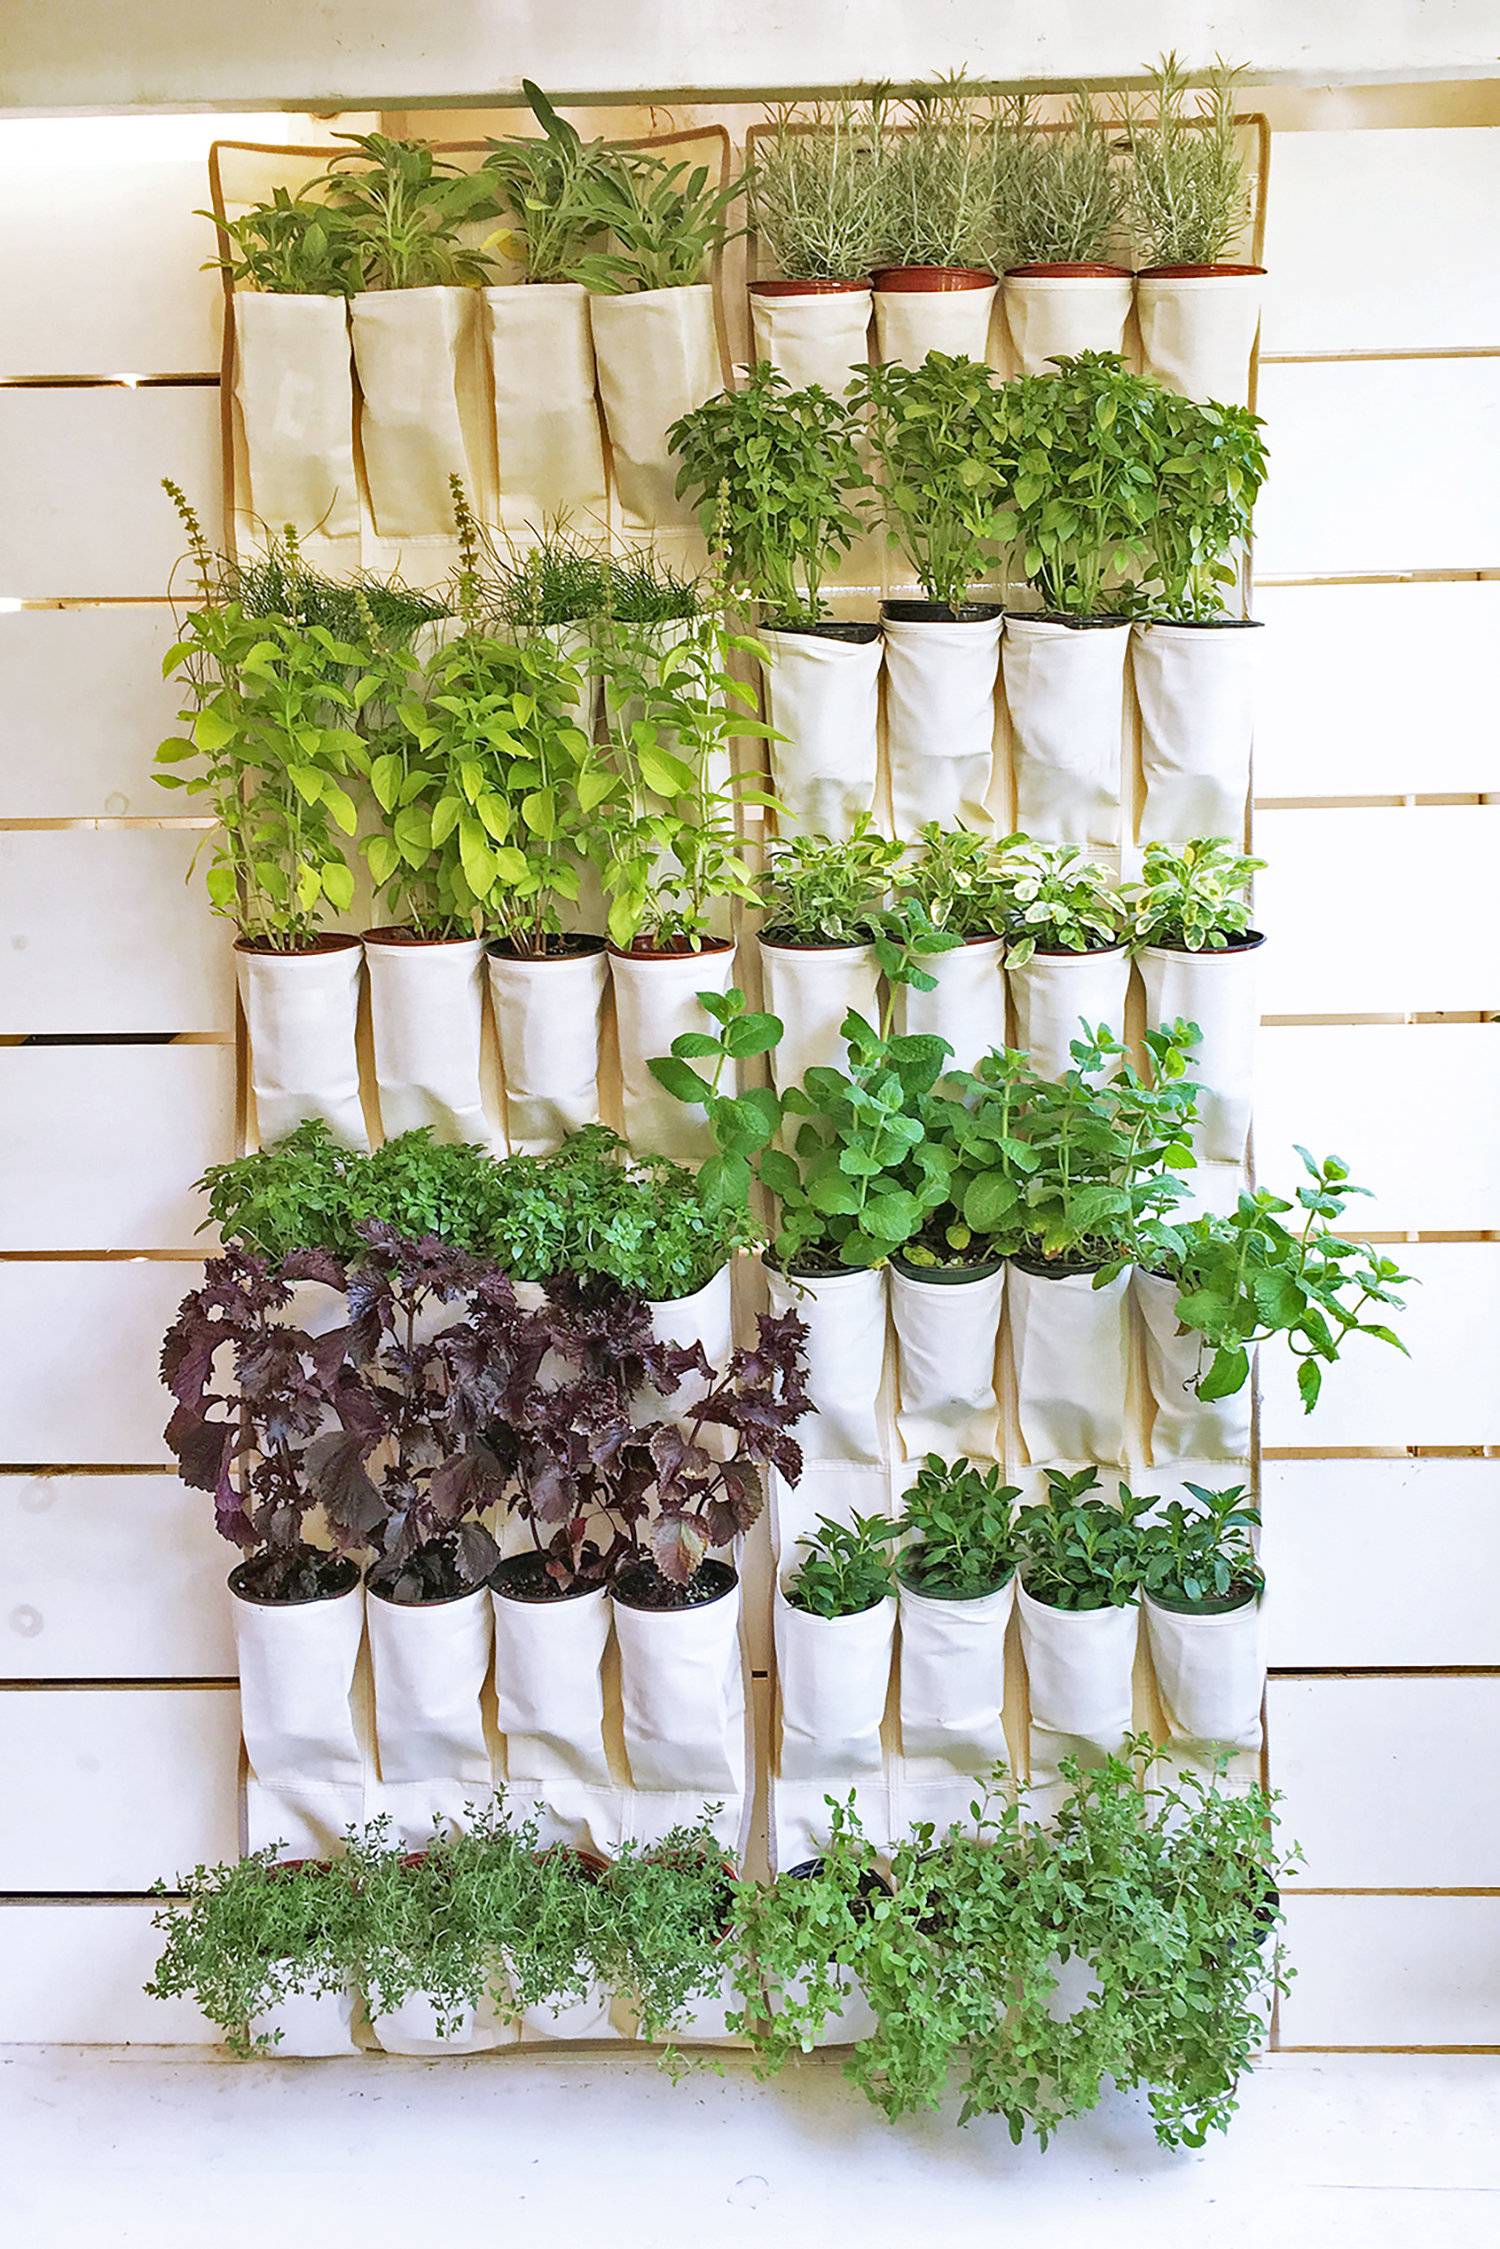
<point x="656" y="998"/>
<point x="427" y="1023"/>
<point x="430" y="1661"/>
<point x="1195" y="685"/>
<point x="1219" y="991"/>
<point x="1198" y="330"/>
<point x="910" y="323"/>
<point x="967" y="1003"/>
<point x="1185" y="1426"/>
<point x="823" y="694"/>
<point x="425" y="414"/>
<point x="1210" y="1674"/>
<point x="811" y="988"/>
<point x="845" y="1318"/>
<point x="833" y="1675"/>
<point x="549" y="1017"/>
<point x="1050" y="315"/>
<point x="308" y="2026"/>
<point x="296" y="1667"/>
<point x="657" y="354"/>
<point x="549" y="1688"/>
<point x="1079" y="1666"/>
<point x="301" y="1011"/>
<point x="952" y="1677"/>
<point x="1056" y="993"/>
<point x="682" y="1694"/>
<point x="811" y="338"/>
<point x="411" y="2027"/>
<point x="1065" y="691"/>
<point x="940" y="675"/>
<point x="548" y="440"/>
<point x="706" y="1317"/>
<point x="294" y="393"/>
<point x="947" y="1336"/>
<point x="1070" y="1343"/>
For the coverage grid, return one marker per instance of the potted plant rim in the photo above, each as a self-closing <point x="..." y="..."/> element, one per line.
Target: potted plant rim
<point x="1060" y="207"/>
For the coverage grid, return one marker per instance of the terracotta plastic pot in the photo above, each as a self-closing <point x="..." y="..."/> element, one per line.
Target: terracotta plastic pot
<point x="929" y="278"/>
<point x="784" y="286"/>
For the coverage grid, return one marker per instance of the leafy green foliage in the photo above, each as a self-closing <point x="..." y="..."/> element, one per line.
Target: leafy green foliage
<point x="817" y="192"/>
<point x="405" y="211"/>
<point x="275" y="581"/>
<point x="1056" y="898"/>
<point x="669" y="1908"/>
<point x="1059" y="195"/>
<point x="1196" y="1556"/>
<point x="961" y="1517"/>
<point x="294" y="245"/>
<point x="1195" y="895"/>
<point x="955" y="879"/>
<point x="294" y="1195"/>
<point x="550" y="186"/>
<point x="1209" y="462"/>
<point x="645" y="589"/>
<point x="936" y="181"/>
<point x="941" y="435"/>
<point x="845" y="1568"/>
<point x="772" y="471"/>
<point x="556" y="579"/>
<point x="271" y="719"/>
<point x="821" y="892"/>
<point x="1247" y="1277"/>
<point x="1077" y="1551"/>
<point x="664" y="222"/>
<point x="1086" y="494"/>
<point x="1188" y="188"/>
<point x="249" y="1935"/>
<point x="793" y="1937"/>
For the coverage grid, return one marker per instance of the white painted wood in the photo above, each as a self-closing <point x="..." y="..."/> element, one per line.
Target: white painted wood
<point x="1393" y="1972"/>
<point x="82" y="708"/>
<point x="1380" y="1562"/>
<point x="66" y="1185"/>
<point x="82" y="511"/>
<point x="112" y="1577"/>
<point x="1380" y="465"/>
<point x="1383" y="239"/>
<point x="1379" y="911"/>
<point x="106" y="930"/>
<point x="120" y="1785"/>
<point x="73" y="1975"/>
<point x="1410" y="1107"/>
<point x="1385" y="1780"/>
<point x="78" y="1375"/>
<point x="1443" y="1393"/>
<point x="1378" y="690"/>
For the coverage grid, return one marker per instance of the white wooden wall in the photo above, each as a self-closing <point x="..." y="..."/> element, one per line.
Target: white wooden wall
<point x="1379" y="744"/>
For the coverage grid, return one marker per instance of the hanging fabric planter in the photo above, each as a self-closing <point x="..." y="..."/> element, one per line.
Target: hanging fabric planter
<point x="844" y="1314"/>
<point x="1079" y="1666"/>
<point x="922" y="309"/>
<point x="1219" y="991"/>
<point x="706" y="1317"/>
<point x="296" y="1670"/>
<point x="307" y="2026"/>
<point x="952" y="1677"/>
<point x="1057" y="310"/>
<point x="966" y="1005"/>
<point x="1065" y="691"/>
<point x="294" y="395"/>
<point x="549" y="1689"/>
<point x="427" y="1020"/>
<point x="1210" y="1666"/>
<point x="548" y="440"/>
<point x="811" y="988"/>
<point x="424" y="414"/>
<point x="549" y="1014"/>
<point x="1070" y="1343"/>
<point x="682" y="1687"/>
<point x="1185" y="1427"/>
<point x="947" y="1334"/>
<point x="1195" y="685"/>
<point x="1054" y="993"/>
<point x="301" y="1010"/>
<point x="429" y="1661"/>
<point x="658" y="357"/>
<point x="413" y="2027"/>
<point x="833" y="1676"/>
<point x="656" y="999"/>
<point x="940" y="674"/>
<point x="812" y="331"/>
<point x="1198" y="327"/>
<point x="823" y="694"/>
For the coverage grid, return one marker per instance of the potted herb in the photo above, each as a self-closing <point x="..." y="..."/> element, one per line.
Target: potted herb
<point x="671" y="1915"/>
<point x="954" y="878"/>
<point x="1065" y="921"/>
<point x="656" y="341"/>
<point x="271" y="720"/>
<point x="672" y="861"/>
<point x="815" y="193"/>
<point x="938" y="434"/>
<point x="776" y="473"/>
<point x="547" y="433"/>
<point x="1080" y="1570"/>
<point x="553" y="1967"/>
<point x="1188" y="193"/>
<point x="835" y="1619"/>
<point x="1194" y="662"/>
<point x="1192" y="941"/>
<point x="1059" y="204"/>
<point x="822" y="901"/>
<point x="252" y="1393"/>
<point x="420" y="1956"/>
<point x="1084" y="515"/>
<point x="263" y="1947"/>
<point x="292" y="266"/>
<point x="554" y="588"/>
<point x="795" y="1938"/>
<point x="956" y="1593"/>
<point x="294" y="1195"/>
<point x="1202" y="1588"/>
<point x="935" y="285"/>
<point x="414" y="322"/>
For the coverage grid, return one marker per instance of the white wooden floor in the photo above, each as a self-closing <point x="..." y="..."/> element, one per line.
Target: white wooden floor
<point x="107" y="2149"/>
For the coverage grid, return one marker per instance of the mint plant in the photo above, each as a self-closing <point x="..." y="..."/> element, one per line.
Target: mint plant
<point x="1192" y="896"/>
<point x="1076" y="1550"/>
<point x="1202" y="1557"/>
<point x="773" y="472"/>
<point x="844" y="1568"/>
<point x="960" y="1516"/>
<point x="942" y="438"/>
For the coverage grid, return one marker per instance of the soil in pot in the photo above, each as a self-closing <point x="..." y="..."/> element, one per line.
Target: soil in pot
<point x="940" y="612"/>
<point x="643" y="950"/>
<point x="1058" y="1268"/>
<point x="642" y="1586"/>
<point x="853" y="633"/>
<point x="780" y="285"/>
<point x="1245" y="942"/>
<point x="952" y="1274"/>
<point x="572" y="945"/>
<point x="1203" y="624"/>
<point x="292" y="1578"/>
<point x="430" y="1575"/>
<point x="1191" y="273"/>
<point x="932" y="280"/>
<point x="1239" y="1596"/>
<point x="395" y="934"/>
<point x="1108" y="622"/>
<point x="525" y="1577"/>
<point x="332" y="941"/>
<point x="1063" y="269"/>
